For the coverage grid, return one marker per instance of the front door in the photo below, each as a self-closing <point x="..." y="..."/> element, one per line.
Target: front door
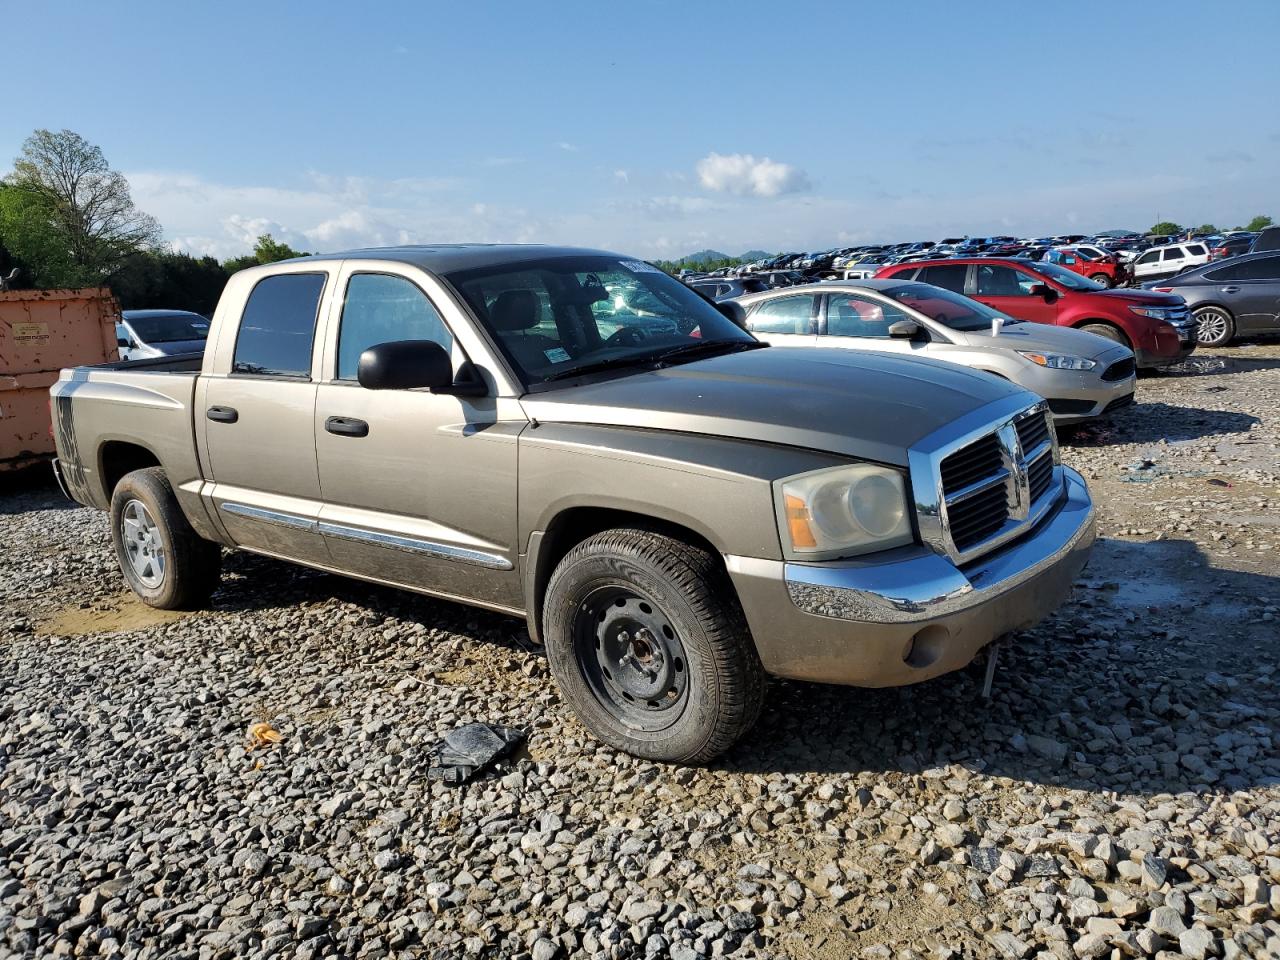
<point x="257" y="420"/>
<point x="1008" y="290"/>
<point x="786" y="321"/>
<point x="419" y="488"/>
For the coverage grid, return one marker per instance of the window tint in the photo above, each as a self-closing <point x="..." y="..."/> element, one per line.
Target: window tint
<point x="949" y="276"/>
<point x="849" y="315"/>
<point x="278" y="325"/>
<point x="997" y="281"/>
<point x="1196" y="250"/>
<point x="380" y="309"/>
<point x="1174" y="253"/>
<point x="1264" y="268"/>
<point x="784" y="315"/>
<point x="1151" y="257"/>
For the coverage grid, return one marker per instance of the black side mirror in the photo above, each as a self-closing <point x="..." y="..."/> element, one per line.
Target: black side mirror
<point x="405" y="365"/>
<point x="734" y="311"/>
<point x="122" y="343"/>
<point x="905" y="330"/>
<point x="1044" y="291"/>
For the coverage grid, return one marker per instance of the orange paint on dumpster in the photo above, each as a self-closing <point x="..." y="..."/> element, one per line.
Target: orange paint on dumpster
<point x="42" y="331"/>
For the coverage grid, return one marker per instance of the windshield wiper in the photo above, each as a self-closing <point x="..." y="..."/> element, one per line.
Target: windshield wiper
<point x="691" y="350"/>
<point x="598" y="365"/>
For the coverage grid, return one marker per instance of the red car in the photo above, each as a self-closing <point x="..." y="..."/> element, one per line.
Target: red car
<point x="1157" y="327"/>
<point x="1103" y="268"/>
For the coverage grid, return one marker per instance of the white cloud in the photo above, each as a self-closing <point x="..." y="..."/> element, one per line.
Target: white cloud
<point x="622" y="176"/>
<point x="743" y="174"/>
<point x="566" y="145"/>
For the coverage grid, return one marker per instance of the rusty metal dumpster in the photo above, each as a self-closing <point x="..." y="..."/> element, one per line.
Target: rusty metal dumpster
<point x="42" y="331"/>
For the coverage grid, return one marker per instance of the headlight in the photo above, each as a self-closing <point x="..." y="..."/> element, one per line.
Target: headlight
<point x="1155" y="313"/>
<point x="843" y="511"/>
<point x="1058" y="361"/>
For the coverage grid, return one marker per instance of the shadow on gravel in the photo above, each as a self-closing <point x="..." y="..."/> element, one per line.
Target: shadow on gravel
<point x="1139" y="689"/>
<point x="31" y="488"/>
<point x="1153" y="422"/>
<point x="1208" y="364"/>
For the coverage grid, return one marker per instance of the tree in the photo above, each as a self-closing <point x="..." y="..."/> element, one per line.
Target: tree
<point x="1258" y="223"/>
<point x="31" y="243"/>
<point x="170" y="280"/>
<point x="1206" y="228"/>
<point x="82" y="200"/>
<point x="266" y="250"/>
<point x="1166" y="228"/>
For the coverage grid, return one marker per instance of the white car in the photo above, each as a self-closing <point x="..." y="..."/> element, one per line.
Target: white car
<point x="1170" y="259"/>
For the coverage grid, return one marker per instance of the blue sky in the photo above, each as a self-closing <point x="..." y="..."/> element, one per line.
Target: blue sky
<point x="659" y="128"/>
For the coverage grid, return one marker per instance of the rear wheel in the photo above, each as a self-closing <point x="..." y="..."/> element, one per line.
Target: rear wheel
<point x="650" y="648"/>
<point x="1215" y="327"/>
<point x="164" y="561"/>
<point x="1108" y="331"/>
<point x="1101" y="278"/>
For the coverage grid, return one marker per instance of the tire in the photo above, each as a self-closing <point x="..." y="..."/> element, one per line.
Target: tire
<point x="1103" y="279"/>
<point x="650" y="648"/>
<point x="164" y="561"/>
<point x="1108" y="331"/>
<point x="1215" y="327"/>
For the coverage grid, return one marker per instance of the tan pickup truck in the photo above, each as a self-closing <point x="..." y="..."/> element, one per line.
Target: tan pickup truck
<point x="677" y="509"/>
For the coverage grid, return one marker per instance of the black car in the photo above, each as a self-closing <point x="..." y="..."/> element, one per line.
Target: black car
<point x="781" y="278"/>
<point x="1229" y="298"/>
<point x="722" y="288"/>
<point x="1225" y="247"/>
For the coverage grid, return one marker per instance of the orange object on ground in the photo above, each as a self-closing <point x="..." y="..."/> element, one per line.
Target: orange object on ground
<point x="42" y="331"/>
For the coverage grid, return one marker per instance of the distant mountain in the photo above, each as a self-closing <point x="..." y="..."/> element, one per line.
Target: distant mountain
<point x="756" y="255"/>
<point x="706" y="256"/>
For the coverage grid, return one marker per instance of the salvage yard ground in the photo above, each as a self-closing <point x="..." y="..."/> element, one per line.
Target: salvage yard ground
<point x="1121" y="789"/>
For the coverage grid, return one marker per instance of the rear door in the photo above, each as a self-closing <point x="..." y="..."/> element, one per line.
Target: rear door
<point x="862" y="323"/>
<point x="1008" y="290"/>
<point x="256" y="411"/>
<point x="949" y="276"/>
<point x="1252" y="292"/>
<point x="786" y="321"/>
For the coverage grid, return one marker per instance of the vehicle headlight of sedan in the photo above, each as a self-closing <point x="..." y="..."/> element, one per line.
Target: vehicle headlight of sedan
<point x="842" y="511"/>
<point x="1058" y="361"/>
<point x="1156" y="313"/>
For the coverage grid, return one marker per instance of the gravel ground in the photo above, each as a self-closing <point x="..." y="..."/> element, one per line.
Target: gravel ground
<point x="1118" y="796"/>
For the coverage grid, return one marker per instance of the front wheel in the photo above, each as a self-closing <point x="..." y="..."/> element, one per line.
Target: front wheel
<point x="1108" y="331"/>
<point x="1101" y="278"/>
<point x="1214" y="327"/>
<point x="164" y="561"/>
<point x="650" y="648"/>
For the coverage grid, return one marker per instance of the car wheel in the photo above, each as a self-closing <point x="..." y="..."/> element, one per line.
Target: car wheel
<point x="1215" y="327"/>
<point x="1101" y="278"/>
<point x="649" y="646"/>
<point x="1108" y="331"/>
<point x="164" y="561"/>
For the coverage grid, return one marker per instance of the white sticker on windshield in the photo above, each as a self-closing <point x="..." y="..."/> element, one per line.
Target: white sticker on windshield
<point x="639" y="266"/>
<point x="557" y="354"/>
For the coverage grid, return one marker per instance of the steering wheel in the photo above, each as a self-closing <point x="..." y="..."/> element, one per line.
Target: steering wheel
<point x="624" y="337"/>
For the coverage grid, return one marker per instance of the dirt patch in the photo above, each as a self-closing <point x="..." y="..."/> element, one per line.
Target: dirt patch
<point x="117" y="614"/>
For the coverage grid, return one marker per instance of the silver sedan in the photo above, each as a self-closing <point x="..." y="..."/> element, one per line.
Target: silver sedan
<point x="1081" y="375"/>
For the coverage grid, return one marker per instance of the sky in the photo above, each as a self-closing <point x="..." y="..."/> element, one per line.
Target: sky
<point x="662" y="128"/>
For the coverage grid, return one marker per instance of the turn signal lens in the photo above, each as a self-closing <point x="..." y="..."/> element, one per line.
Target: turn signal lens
<point x="843" y="511"/>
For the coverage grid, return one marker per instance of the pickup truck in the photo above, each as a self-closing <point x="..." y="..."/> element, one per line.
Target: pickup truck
<point x="677" y="509"/>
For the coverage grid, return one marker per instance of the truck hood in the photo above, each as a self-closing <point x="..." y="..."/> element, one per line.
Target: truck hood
<point x="1043" y="338"/>
<point x="862" y="405"/>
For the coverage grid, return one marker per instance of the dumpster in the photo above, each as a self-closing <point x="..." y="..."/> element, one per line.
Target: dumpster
<point x="42" y="331"/>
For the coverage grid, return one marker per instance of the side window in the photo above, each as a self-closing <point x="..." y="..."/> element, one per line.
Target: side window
<point x="1196" y="250"/>
<point x="949" y="276"/>
<point x="278" y="325"/>
<point x="849" y="315"/>
<point x="1174" y="253"/>
<point x="1151" y="257"/>
<point x="380" y="308"/>
<point x="784" y="315"/>
<point x="1264" y="268"/>
<point x="998" y="281"/>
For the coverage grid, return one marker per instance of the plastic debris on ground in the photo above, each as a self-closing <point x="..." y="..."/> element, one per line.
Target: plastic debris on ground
<point x="470" y="749"/>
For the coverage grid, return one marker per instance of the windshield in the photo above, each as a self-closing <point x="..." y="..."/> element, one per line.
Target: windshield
<point x="556" y="316"/>
<point x="950" y="309"/>
<point x="1065" y="278"/>
<point x="170" y="328"/>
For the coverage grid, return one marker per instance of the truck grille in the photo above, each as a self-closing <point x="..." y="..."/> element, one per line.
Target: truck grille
<point x="997" y="484"/>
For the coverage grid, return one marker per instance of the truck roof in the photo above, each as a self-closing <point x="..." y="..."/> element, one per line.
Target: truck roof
<point x="449" y="257"/>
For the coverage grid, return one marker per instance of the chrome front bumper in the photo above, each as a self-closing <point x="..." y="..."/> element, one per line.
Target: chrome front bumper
<point x="911" y="614"/>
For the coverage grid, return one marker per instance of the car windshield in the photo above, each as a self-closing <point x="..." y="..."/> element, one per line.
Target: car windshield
<point x="1065" y="278"/>
<point x="559" y="316"/>
<point x="170" y="328"/>
<point x="950" y="309"/>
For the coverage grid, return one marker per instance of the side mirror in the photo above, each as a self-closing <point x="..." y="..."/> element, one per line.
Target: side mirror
<point x="405" y="365"/>
<point x="122" y="343"/>
<point x="905" y="330"/>
<point x="734" y="311"/>
<point x="1044" y="291"/>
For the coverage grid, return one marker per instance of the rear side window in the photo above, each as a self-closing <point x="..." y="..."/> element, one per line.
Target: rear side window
<point x="1264" y="268"/>
<point x="278" y="325"/>
<point x="949" y="276"/>
<point x="1196" y="250"/>
<point x="1174" y="253"/>
<point x="784" y="315"/>
<point x="380" y="308"/>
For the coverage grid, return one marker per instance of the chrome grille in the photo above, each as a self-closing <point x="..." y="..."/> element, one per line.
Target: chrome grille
<point x="1032" y="431"/>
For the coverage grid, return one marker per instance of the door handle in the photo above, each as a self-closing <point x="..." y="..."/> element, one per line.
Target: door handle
<point x="223" y="414"/>
<point x="347" y="427"/>
<point x="1230" y="289"/>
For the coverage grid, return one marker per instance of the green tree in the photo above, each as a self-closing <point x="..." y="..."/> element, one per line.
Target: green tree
<point x="1206" y="228"/>
<point x="1260" y="222"/>
<point x="1166" y="228"/>
<point x="171" y="280"/>
<point x="33" y="245"/>
<point x="266" y="250"/>
<point x="80" y="202"/>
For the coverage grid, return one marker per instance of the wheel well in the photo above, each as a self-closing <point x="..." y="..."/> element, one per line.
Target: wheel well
<point x="571" y="527"/>
<point x="1217" y="306"/>
<point x="1099" y="322"/>
<point x="119" y="458"/>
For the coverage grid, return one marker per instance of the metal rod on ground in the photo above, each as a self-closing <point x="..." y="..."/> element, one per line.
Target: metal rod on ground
<point x="993" y="654"/>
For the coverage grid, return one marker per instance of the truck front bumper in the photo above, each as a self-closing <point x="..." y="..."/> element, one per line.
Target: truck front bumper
<point x="909" y="614"/>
